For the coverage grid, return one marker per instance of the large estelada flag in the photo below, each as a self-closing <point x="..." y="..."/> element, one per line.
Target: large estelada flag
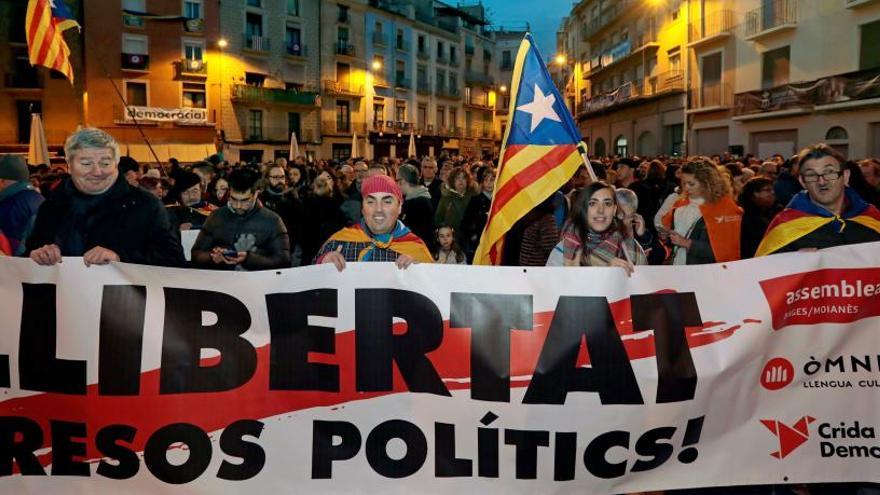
<point x="45" y="24"/>
<point x="540" y="152"/>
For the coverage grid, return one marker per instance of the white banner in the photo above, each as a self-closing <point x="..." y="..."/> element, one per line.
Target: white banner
<point x="156" y="114"/>
<point x="439" y="379"/>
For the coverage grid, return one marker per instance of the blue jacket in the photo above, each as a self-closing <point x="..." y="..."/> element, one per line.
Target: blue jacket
<point x="18" y="209"/>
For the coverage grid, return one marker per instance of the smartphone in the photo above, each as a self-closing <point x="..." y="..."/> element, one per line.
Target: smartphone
<point x="230" y="253"/>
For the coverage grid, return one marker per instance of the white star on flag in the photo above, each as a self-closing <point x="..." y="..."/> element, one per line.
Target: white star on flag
<point x="540" y="108"/>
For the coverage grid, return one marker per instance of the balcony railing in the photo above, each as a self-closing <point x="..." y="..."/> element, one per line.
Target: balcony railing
<point x="608" y="15"/>
<point x="392" y="126"/>
<point x="423" y="87"/>
<point x="134" y="61"/>
<point x="280" y="96"/>
<point x="297" y="50"/>
<point x="471" y="76"/>
<point x="337" y="127"/>
<point x="402" y="82"/>
<point x="480" y="131"/>
<point x="256" y="43"/>
<point x="342" y="88"/>
<point x="189" y="66"/>
<point x="276" y="134"/>
<point x="442" y="59"/>
<point x="773" y="15"/>
<point x="664" y="83"/>
<point x="401" y="45"/>
<point x="379" y="38"/>
<point x="444" y="91"/>
<point x="479" y="104"/>
<point x="711" y="95"/>
<point x="22" y="80"/>
<point x="454" y="62"/>
<point x="344" y="48"/>
<point x="714" y="24"/>
<point x="422" y="54"/>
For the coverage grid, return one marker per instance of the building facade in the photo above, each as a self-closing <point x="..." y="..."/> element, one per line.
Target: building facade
<point x="709" y="76"/>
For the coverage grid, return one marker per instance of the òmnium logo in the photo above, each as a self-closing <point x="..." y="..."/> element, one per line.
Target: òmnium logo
<point x="790" y="437"/>
<point x="778" y="373"/>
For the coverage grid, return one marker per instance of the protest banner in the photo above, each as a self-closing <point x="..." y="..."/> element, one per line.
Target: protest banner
<point x="437" y="379"/>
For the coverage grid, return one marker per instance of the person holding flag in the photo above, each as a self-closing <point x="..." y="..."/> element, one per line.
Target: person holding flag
<point x="541" y="151"/>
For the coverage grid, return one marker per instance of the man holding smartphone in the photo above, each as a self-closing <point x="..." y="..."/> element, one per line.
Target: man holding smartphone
<point x="243" y="236"/>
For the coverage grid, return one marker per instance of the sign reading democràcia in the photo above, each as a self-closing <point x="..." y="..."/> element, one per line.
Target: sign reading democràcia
<point x="135" y="379"/>
<point x="156" y="114"/>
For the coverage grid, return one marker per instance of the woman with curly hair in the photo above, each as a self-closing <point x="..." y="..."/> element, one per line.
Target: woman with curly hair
<point x="455" y="196"/>
<point x="703" y="226"/>
<point x="594" y="236"/>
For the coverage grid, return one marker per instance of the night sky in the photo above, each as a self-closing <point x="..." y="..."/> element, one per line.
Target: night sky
<point x="544" y="17"/>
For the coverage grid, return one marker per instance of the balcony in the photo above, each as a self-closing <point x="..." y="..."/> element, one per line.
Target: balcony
<point x="343" y="17"/>
<point x="391" y="126"/>
<point x="190" y="67"/>
<point x="256" y="43"/>
<point x="623" y="51"/>
<point x="474" y="77"/>
<point x="402" y="83"/>
<point x="442" y="91"/>
<point x="634" y="92"/>
<point x="401" y="45"/>
<point x="335" y="127"/>
<point x="774" y="16"/>
<point x="442" y="59"/>
<point x="479" y="104"/>
<point x="296" y="50"/>
<point x="454" y="62"/>
<point x="379" y="39"/>
<point x="710" y="97"/>
<point x="609" y="14"/>
<point x="135" y="62"/>
<point x="480" y="131"/>
<point x="345" y="49"/>
<point x="423" y="87"/>
<point x="27" y="80"/>
<point x="276" y="135"/>
<point x="422" y="54"/>
<point x="715" y="26"/>
<point x="274" y="96"/>
<point x="468" y="50"/>
<point x="342" y="88"/>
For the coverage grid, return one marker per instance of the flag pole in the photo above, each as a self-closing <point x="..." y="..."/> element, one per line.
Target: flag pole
<point x="583" y="153"/>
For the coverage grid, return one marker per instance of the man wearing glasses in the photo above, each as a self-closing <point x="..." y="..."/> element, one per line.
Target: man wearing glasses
<point x="243" y="236"/>
<point x="826" y="214"/>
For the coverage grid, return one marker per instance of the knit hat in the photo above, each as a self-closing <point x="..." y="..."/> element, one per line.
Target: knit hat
<point x="381" y="184"/>
<point x="13" y="167"/>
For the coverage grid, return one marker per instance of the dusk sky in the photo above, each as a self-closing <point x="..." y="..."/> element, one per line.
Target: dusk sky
<point x="543" y="16"/>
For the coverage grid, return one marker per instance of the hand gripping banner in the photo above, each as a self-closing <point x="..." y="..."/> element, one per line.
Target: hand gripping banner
<point x="439" y="379"/>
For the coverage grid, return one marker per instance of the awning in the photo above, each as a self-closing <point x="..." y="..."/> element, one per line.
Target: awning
<point x="183" y="152"/>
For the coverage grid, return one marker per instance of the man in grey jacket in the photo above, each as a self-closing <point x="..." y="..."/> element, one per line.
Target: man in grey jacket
<point x="242" y="236"/>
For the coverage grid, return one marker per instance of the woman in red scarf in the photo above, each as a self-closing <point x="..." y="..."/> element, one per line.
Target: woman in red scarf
<point x="704" y="224"/>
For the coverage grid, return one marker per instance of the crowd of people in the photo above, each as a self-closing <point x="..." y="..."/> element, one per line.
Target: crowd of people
<point x="624" y="212"/>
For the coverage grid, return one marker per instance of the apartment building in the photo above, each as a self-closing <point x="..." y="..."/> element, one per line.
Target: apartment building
<point x="507" y="43"/>
<point x="160" y="67"/>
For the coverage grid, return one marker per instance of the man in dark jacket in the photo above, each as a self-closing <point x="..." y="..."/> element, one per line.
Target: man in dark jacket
<point x="283" y="201"/>
<point x="418" y="212"/>
<point x="18" y="202"/>
<point x="432" y="181"/>
<point x="96" y="214"/>
<point x="243" y="235"/>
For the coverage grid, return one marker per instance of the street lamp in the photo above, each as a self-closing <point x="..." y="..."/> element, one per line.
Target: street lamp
<point x="561" y="59"/>
<point x="222" y="43"/>
<point x="376" y="65"/>
<point x="503" y="89"/>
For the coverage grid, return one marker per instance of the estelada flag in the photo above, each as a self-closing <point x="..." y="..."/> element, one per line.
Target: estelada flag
<point x="540" y="152"/>
<point x="45" y="23"/>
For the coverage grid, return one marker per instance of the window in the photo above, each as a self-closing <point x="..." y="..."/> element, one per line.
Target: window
<point x="710" y="72"/>
<point x="441" y="117"/>
<point x="621" y="146"/>
<point x="400" y="111"/>
<point x="399" y="39"/>
<point x="343" y="13"/>
<point x="343" y="116"/>
<point x="135" y="44"/>
<point x="133" y="6"/>
<point x="421" y="116"/>
<point x="136" y="93"/>
<point x="341" y="151"/>
<point x="440" y="49"/>
<point x="192" y="9"/>
<point x="342" y="36"/>
<point x="422" y="76"/>
<point x="453" y="118"/>
<point x="675" y="59"/>
<point x="255" y="3"/>
<point x="400" y="71"/>
<point x="675" y="138"/>
<point x="467" y="95"/>
<point x="453" y="55"/>
<point x="441" y="78"/>
<point x="453" y="81"/>
<point x="254" y="79"/>
<point x="506" y="60"/>
<point x="293" y="9"/>
<point x="378" y="113"/>
<point x="836" y="134"/>
<point x="422" y="48"/>
<point x="194" y="95"/>
<point x="600" y="148"/>
<point x="253" y="25"/>
<point x="293" y="125"/>
<point x="293" y="41"/>
<point x="776" y="64"/>
<point x="869" y="55"/>
<point x="193" y="49"/>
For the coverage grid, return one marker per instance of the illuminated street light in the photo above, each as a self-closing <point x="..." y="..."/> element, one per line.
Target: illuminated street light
<point x="503" y="89"/>
<point x="376" y="65"/>
<point x="222" y="43"/>
<point x="561" y="59"/>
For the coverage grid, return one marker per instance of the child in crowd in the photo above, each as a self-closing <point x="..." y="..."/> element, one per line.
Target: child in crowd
<point x="448" y="252"/>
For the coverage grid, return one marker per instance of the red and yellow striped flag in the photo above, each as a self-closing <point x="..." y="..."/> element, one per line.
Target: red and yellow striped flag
<point x="45" y="23"/>
<point x="540" y="152"/>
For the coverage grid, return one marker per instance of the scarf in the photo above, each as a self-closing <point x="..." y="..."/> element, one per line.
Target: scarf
<point x="399" y="240"/>
<point x="802" y="216"/>
<point x="599" y="248"/>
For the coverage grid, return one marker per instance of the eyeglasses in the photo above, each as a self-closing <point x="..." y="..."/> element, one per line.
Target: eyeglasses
<point x="828" y="176"/>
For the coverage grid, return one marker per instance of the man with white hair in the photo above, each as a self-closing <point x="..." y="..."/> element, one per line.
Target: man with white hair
<point x="98" y="215"/>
